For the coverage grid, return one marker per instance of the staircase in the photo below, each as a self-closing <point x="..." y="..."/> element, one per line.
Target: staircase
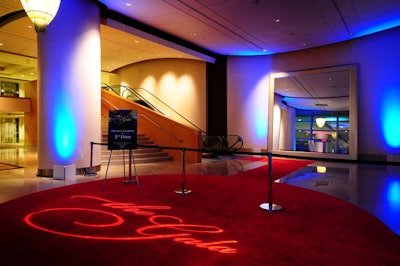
<point x="140" y="155"/>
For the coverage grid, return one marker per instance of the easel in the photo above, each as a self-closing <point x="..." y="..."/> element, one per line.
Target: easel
<point x="122" y="135"/>
<point x="131" y="161"/>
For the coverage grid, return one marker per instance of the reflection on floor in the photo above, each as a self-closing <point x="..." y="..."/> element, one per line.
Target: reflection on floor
<point x="373" y="187"/>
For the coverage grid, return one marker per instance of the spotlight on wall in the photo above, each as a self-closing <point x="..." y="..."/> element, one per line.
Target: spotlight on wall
<point x="320" y="121"/>
<point x="41" y="12"/>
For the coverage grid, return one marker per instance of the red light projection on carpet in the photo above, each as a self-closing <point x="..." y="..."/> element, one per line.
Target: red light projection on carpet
<point x="86" y="222"/>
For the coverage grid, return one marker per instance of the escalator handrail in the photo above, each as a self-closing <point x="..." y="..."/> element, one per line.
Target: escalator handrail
<point x="141" y="97"/>
<point x="161" y="101"/>
<point x="151" y="121"/>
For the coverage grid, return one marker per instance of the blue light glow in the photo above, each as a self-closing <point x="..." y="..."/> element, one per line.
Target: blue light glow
<point x="250" y="53"/>
<point x="393" y="194"/>
<point x="390" y="113"/>
<point x="391" y="22"/>
<point x="65" y="135"/>
<point x="261" y="126"/>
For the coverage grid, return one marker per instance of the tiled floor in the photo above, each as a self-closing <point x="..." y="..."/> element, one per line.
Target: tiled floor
<point x="373" y="187"/>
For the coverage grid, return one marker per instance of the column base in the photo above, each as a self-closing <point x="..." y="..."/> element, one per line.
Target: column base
<point x="79" y="171"/>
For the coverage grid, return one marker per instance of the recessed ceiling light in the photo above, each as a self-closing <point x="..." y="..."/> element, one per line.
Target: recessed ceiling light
<point x="193" y="34"/>
<point x="128" y="4"/>
<point x="276" y="20"/>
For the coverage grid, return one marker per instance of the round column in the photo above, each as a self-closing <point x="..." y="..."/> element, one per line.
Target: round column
<point x="69" y="96"/>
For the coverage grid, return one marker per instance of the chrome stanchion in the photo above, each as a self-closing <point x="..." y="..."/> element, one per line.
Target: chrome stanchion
<point x="132" y="160"/>
<point x="105" y="176"/>
<point x="183" y="190"/>
<point x="270" y="206"/>
<point x="91" y="173"/>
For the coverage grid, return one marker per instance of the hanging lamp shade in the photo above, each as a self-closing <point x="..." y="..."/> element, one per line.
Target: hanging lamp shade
<point x="41" y="12"/>
<point x="320" y="122"/>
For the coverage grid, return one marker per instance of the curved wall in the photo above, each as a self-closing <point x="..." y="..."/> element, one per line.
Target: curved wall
<point x="377" y="57"/>
<point x="180" y="83"/>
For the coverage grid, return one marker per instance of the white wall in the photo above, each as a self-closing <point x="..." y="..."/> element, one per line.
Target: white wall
<point x="247" y="104"/>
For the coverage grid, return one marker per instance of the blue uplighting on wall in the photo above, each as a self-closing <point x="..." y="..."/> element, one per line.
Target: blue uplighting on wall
<point x="391" y="22"/>
<point x="261" y="126"/>
<point x="64" y="135"/>
<point x="390" y="113"/>
<point x="393" y="194"/>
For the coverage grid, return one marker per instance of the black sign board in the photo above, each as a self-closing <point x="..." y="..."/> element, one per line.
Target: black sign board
<point x="122" y="130"/>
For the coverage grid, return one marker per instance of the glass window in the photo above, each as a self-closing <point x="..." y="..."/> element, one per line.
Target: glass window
<point x="322" y="131"/>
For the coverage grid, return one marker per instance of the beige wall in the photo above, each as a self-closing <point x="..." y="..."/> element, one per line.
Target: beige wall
<point x="30" y="121"/>
<point x="180" y="83"/>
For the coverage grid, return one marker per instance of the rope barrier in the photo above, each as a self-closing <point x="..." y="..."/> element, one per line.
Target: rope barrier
<point x="269" y="206"/>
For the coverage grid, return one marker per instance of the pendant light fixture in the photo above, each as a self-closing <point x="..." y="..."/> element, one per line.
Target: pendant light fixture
<point x="320" y="122"/>
<point x="41" y="12"/>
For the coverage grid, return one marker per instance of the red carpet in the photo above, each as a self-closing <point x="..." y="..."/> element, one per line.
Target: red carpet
<point x="281" y="167"/>
<point x="220" y="223"/>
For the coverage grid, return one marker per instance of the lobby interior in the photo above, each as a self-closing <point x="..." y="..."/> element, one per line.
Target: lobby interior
<point x="372" y="183"/>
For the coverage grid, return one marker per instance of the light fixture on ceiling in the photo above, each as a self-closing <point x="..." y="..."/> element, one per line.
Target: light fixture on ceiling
<point x="41" y="12"/>
<point x="320" y="121"/>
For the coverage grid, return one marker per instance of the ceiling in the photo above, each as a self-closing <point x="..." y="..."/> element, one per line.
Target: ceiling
<point x="255" y="27"/>
<point x="324" y="91"/>
<point x="227" y="27"/>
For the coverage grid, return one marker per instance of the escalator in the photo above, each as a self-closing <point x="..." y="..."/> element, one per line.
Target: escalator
<point x="213" y="145"/>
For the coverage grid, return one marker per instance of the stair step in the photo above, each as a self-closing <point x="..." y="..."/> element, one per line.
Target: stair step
<point x="140" y="155"/>
<point x="140" y="160"/>
<point x="121" y="156"/>
<point x="136" y="151"/>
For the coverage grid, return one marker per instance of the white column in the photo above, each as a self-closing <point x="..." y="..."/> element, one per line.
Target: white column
<point x="69" y="96"/>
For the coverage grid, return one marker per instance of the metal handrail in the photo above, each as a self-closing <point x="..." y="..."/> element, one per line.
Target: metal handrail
<point x="105" y="85"/>
<point x="141" y="97"/>
<point x="169" y="107"/>
<point x="223" y="141"/>
<point x="151" y="121"/>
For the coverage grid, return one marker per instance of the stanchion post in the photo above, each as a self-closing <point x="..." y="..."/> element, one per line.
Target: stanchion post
<point x="130" y="166"/>
<point x="270" y="206"/>
<point x="131" y="161"/>
<point x="183" y="190"/>
<point x="91" y="173"/>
